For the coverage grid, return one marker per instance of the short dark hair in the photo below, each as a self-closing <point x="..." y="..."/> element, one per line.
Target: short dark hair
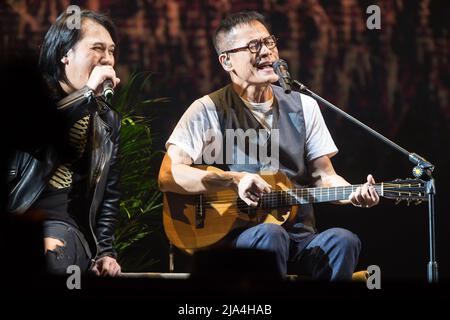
<point x="233" y="20"/>
<point x="60" y="39"/>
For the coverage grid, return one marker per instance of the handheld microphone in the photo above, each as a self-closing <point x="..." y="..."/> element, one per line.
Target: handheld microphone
<point x="281" y="69"/>
<point x="108" y="89"/>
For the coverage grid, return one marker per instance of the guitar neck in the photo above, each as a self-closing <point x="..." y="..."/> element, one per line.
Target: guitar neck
<point x="283" y="198"/>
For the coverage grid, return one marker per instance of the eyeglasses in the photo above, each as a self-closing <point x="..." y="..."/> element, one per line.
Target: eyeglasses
<point x="255" y="45"/>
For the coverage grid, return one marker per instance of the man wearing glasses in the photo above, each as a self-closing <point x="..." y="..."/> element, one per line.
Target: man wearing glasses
<point x="246" y="51"/>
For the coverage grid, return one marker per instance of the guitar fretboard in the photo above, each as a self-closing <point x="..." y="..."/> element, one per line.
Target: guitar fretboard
<point x="310" y="195"/>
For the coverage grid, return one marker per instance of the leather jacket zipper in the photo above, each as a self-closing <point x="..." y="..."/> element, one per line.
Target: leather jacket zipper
<point x="96" y="179"/>
<point x="101" y="162"/>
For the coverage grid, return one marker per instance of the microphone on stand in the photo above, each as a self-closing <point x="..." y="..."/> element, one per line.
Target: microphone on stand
<point x="281" y="69"/>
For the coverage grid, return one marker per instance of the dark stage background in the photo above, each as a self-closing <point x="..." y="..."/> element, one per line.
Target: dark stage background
<point x="395" y="79"/>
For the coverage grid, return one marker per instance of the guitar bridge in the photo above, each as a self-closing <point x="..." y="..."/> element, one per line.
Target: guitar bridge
<point x="200" y="214"/>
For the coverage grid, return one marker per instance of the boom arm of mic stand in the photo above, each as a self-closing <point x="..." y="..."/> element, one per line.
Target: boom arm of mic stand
<point x="414" y="158"/>
<point x="421" y="166"/>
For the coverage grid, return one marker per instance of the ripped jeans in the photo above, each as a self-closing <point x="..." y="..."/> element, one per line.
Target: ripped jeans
<point x="75" y="249"/>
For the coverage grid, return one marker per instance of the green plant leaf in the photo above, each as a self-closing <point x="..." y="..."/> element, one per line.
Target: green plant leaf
<point x="140" y="206"/>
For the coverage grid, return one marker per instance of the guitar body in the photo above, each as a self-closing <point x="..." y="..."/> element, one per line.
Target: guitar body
<point x="199" y="221"/>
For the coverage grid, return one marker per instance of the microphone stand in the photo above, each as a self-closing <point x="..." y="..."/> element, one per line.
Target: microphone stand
<point x="422" y="166"/>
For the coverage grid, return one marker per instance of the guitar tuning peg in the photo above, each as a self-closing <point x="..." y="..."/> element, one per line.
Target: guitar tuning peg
<point x="397" y="201"/>
<point x="418" y="202"/>
<point x="408" y="202"/>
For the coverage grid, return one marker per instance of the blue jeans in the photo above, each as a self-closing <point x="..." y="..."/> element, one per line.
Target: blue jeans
<point x="75" y="249"/>
<point x="331" y="254"/>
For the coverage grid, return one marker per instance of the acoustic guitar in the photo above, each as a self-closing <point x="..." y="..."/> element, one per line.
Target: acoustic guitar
<point x="194" y="222"/>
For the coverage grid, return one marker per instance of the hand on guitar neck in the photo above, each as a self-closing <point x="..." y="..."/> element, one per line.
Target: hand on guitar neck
<point x="366" y="195"/>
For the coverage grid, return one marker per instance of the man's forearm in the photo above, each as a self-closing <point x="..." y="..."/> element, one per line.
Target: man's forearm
<point x="185" y="179"/>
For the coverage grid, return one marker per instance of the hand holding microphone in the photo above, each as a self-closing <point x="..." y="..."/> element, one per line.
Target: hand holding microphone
<point x="108" y="89"/>
<point x="103" y="80"/>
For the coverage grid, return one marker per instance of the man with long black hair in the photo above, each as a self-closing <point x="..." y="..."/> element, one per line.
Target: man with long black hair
<point x="73" y="181"/>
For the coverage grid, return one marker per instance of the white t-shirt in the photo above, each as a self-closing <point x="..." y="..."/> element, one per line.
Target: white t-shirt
<point x="261" y="111"/>
<point x="193" y="132"/>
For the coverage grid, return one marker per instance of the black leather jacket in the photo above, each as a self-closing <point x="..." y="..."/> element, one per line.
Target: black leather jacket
<point x="29" y="172"/>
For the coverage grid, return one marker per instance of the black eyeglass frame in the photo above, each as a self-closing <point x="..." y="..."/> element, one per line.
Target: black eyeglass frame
<point x="258" y="45"/>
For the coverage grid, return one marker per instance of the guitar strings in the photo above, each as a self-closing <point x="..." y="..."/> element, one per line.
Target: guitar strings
<point x="278" y="195"/>
<point x="245" y="207"/>
<point x="304" y="191"/>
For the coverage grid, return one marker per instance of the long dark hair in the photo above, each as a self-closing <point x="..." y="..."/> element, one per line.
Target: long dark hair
<point x="59" y="40"/>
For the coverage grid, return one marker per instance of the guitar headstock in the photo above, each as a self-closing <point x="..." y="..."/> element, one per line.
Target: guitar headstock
<point x="410" y="190"/>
